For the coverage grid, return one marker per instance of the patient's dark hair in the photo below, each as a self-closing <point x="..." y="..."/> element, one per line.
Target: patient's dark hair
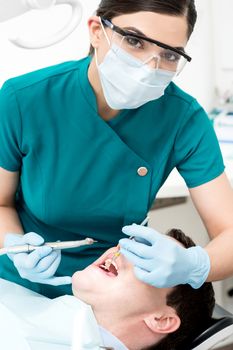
<point x="113" y="8"/>
<point x="193" y="306"/>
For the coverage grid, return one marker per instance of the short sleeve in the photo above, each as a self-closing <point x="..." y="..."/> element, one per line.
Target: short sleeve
<point x="197" y="152"/>
<point x="10" y="130"/>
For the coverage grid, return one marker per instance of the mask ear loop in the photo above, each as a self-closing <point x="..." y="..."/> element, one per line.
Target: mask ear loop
<point x="107" y="38"/>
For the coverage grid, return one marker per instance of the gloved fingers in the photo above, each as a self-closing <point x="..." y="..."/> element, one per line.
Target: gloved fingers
<point x="155" y="278"/>
<point x="139" y="249"/>
<point x="46" y="262"/>
<point x="139" y="239"/>
<point x="52" y="269"/>
<point x="144" y="232"/>
<point x="142" y="240"/>
<point x="12" y="239"/>
<point x="19" y="259"/>
<point x="56" y="281"/>
<point x="29" y="261"/>
<point x="145" y="264"/>
<point x="33" y="239"/>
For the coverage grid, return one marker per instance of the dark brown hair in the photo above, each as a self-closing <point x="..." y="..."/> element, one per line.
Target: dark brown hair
<point x="113" y="8"/>
<point x="193" y="306"/>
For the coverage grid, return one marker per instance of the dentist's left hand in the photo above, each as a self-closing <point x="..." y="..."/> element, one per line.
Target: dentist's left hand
<point x="38" y="266"/>
<point x="161" y="262"/>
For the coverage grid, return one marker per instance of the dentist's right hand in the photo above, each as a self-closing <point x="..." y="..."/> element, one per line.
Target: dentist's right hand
<point x="38" y="266"/>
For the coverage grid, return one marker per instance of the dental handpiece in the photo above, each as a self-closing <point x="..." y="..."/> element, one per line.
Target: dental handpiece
<point x="115" y="256"/>
<point x="27" y="248"/>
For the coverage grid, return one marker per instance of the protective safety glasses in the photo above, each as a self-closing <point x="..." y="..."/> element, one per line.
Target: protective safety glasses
<point x="145" y="49"/>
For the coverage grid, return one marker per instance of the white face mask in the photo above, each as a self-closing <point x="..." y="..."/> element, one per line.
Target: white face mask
<point x="126" y="83"/>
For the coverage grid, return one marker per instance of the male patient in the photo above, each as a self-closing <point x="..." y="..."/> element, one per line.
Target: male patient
<point x="112" y="309"/>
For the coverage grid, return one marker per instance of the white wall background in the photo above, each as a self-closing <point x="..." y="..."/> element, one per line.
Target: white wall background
<point x="37" y="24"/>
<point x="209" y="46"/>
<point x="223" y="34"/>
<point x="198" y="77"/>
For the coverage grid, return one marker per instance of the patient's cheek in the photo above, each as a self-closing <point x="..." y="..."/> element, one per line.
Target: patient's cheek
<point x="74" y="277"/>
<point x="74" y="282"/>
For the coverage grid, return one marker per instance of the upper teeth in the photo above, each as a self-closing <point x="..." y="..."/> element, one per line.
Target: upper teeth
<point x="108" y="263"/>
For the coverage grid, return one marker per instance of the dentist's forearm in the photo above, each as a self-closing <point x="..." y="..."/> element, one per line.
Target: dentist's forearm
<point x="220" y="251"/>
<point x="9" y="222"/>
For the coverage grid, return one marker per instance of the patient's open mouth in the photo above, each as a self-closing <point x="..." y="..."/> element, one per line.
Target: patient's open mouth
<point x="110" y="267"/>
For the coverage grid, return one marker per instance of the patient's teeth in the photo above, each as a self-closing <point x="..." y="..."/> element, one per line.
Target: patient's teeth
<point x="108" y="263"/>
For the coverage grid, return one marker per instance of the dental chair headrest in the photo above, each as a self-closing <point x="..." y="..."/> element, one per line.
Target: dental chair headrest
<point x="220" y="329"/>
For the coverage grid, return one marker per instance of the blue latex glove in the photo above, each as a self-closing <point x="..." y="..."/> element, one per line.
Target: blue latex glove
<point x="161" y="262"/>
<point x="38" y="266"/>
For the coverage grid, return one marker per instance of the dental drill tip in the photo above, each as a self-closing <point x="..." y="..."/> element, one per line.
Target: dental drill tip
<point x="90" y="241"/>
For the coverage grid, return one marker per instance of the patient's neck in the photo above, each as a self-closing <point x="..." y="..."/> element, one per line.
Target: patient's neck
<point x="125" y="328"/>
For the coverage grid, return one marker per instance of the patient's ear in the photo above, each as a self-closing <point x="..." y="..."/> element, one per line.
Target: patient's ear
<point x="165" y="323"/>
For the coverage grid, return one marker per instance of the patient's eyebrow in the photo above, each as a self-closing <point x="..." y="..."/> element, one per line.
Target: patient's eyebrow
<point x="139" y="32"/>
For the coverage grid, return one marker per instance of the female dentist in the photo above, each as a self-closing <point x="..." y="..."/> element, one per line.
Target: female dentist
<point x="86" y="145"/>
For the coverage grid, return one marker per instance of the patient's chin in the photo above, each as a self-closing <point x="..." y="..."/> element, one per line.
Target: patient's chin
<point x="82" y="295"/>
<point x="80" y="285"/>
<point x="76" y="285"/>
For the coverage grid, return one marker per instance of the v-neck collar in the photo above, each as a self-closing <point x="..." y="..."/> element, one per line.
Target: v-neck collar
<point x="140" y="186"/>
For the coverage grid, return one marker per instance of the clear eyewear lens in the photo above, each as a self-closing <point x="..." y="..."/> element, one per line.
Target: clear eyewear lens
<point x="147" y="53"/>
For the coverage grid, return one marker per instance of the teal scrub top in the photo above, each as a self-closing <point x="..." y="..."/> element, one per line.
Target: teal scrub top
<point x="79" y="175"/>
